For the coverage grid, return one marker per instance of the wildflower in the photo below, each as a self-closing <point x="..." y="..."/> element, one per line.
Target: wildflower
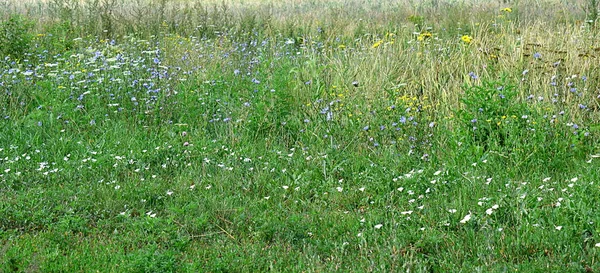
<point x="423" y="36"/>
<point x="537" y="55"/>
<point x="507" y="10"/>
<point x="574" y="179"/>
<point x="377" y="44"/>
<point x="473" y="75"/>
<point x="467" y="39"/>
<point x="466" y="218"/>
<point x="378" y="226"/>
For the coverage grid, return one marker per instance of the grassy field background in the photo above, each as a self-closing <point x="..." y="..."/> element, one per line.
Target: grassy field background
<point x="299" y="136"/>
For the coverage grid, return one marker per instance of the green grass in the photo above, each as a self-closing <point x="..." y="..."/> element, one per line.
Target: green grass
<point x="354" y="137"/>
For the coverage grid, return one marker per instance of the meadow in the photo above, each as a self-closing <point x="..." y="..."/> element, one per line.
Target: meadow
<point x="299" y="136"/>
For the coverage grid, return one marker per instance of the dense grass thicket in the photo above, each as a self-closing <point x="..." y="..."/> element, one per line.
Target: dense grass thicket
<point x="299" y="136"/>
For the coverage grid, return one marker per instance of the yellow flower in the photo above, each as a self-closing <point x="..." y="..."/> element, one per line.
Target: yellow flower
<point x="509" y="10"/>
<point x="341" y="46"/>
<point x="423" y="36"/>
<point x="377" y="44"/>
<point x="467" y="39"/>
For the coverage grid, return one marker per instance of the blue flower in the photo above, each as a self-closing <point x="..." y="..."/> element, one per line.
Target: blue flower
<point x="473" y="75"/>
<point x="537" y="55"/>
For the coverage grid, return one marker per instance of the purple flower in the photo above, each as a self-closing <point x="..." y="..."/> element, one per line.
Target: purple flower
<point x="537" y="55"/>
